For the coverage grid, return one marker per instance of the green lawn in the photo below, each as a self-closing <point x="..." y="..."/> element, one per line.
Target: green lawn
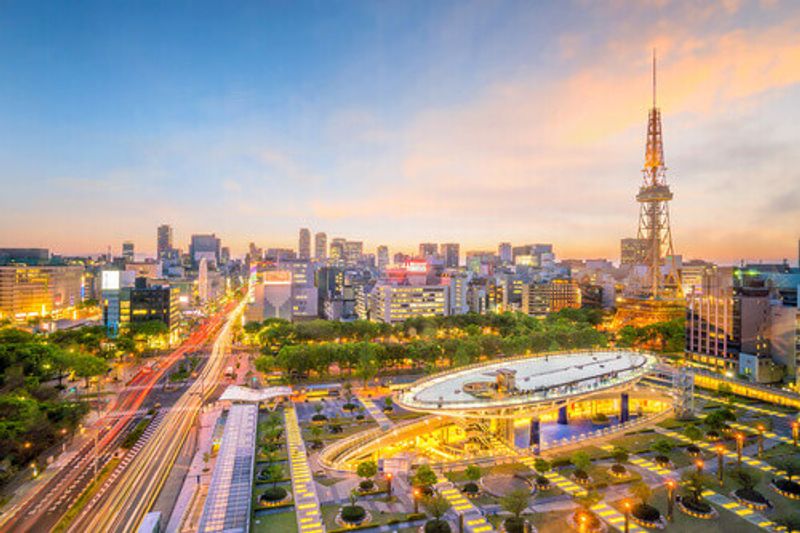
<point x="284" y="522"/>
<point x="640" y="442"/>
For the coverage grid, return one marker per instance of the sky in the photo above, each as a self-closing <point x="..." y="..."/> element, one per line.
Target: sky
<point x="398" y="122"/>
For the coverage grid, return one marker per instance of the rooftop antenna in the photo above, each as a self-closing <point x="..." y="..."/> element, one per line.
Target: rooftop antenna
<point x="654" y="77"/>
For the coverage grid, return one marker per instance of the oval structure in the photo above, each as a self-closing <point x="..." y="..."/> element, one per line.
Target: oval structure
<point x="527" y="383"/>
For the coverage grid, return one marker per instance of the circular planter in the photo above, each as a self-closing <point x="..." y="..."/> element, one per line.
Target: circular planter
<point x="516" y="528"/>
<point x="662" y="461"/>
<point x="366" y="486"/>
<point x="270" y="502"/>
<point x="471" y="490"/>
<point x="693" y="450"/>
<point x="654" y="520"/>
<point x="583" y="481"/>
<point x="542" y="483"/>
<point x="361" y="520"/>
<point x="759" y="505"/>
<point x="619" y="472"/>
<point x="784" y="486"/>
<point x="711" y="515"/>
<point x="595" y="525"/>
<point x="442" y="526"/>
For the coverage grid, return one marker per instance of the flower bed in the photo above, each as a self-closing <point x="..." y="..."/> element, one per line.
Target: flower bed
<point x="700" y="510"/>
<point x="591" y="523"/>
<point x="662" y="461"/>
<point x="581" y="477"/>
<point x="513" y="525"/>
<point x="693" y="450"/>
<point x="542" y="483"/>
<point x="786" y="488"/>
<point x="435" y="526"/>
<point x="647" y="516"/>
<point x="470" y="489"/>
<point x="319" y="418"/>
<point x="751" y="498"/>
<point x="618" y="471"/>
<point x="274" y="497"/>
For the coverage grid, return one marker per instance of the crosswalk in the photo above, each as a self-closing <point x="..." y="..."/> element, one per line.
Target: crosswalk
<point x="755" y="518"/>
<point x="614" y="518"/>
<point x="306" y="501"/>
<point x="474" y="522"/>
<point x="376" y="413"/>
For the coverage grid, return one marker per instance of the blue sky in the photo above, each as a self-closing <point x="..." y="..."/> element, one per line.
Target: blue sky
<point x="397" y="122"/>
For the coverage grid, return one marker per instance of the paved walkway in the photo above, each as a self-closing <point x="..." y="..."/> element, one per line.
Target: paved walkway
<point x="376" y="413"/>
<point x="474" y="522"/>
<point x="755" y="518"/>
<point x="306" y="502"/>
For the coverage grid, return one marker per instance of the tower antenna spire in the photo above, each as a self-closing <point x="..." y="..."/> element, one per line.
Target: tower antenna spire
<point x="654" y="77"/>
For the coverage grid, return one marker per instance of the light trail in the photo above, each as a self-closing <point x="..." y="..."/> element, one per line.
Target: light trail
<point x="137" y="489"/>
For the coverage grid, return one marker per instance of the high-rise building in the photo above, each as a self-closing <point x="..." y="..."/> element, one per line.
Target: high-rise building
<point x="320" y="246"/>
<point x="545" y="298"/>
<point x="353" y="252"/>
<point x="304" y="244"/>
<point x="504" y="252"/>
<point x="450" y="253"/>
<point x="337" y="249"/>
<point x="382" y="256"/>
<point x="164" y="242"/>
<point x="127" y="251"/>
<point x="126" y="301"/>
<point x="427" y="249"/>
<point x="47" y="290"/>
<point x="632" y="251"/>
<point x="208" y="246"/>
<point x="395" y="303"/>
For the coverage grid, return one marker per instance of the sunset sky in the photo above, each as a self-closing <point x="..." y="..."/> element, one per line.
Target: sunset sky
<point x="397" y="122"/>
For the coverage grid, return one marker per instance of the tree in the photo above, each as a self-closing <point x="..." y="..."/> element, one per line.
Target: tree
<point x="367" y="469"/>
<point x="746" y="479"/>
<point x="425" y="477"/>
<point x="790" y="465"/>
<point x="541" y="465"/>
<point x="693" y="433"/>
<point x="515" y="502"/>
<point x="388" y="403"/>
<point x="642" y="491"/>
<point x="473" y="472"/>
<point x="87" y="366"/>
<point x="619" y="454"/>
<point x="693" y="484"/>
<point x="316" y="435"/>
<point x="581" y="460"/>
<point x="274" y="473"/>
<point x="662" y="446"/>
<point x="436" y="506"/>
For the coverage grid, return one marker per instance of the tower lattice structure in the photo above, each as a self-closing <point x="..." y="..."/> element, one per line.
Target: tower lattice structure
<point x="654" y="226"/>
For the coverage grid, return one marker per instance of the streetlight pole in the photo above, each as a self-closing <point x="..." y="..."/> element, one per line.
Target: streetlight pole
<point x="739" y="446"/>
<point x="720" y="464"/>
<point x="389" y="484"/>
<point x="760" y="441"/>
<point x="699" y="464"/>
<point x="795" y="431"/>
<point x="416" y="501"/>
<point x="670" y="498"/>
<point x="627" y="506"/>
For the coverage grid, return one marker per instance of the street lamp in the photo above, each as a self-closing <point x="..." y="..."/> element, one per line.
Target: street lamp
<point x="739" y="446"/>
<point x="795" y="431"/>
<point x="699" y="464"/>
<point x="670" y="498"/>
<point x="35" y="470"/>
<point x="627" y="505"/>
<point x="582" y="521"/>
<point x="720" y="463"/>
<point x="760" y="440"/>
<point x="389" y="484"/>
<point x="416" y="501"/>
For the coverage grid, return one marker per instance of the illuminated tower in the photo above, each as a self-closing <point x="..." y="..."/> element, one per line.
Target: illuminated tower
<point x="654" y="196"/>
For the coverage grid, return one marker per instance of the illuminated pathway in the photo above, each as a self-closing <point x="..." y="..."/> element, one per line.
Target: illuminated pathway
<point x="306" y="502"/>
<point x="376" y="413"/>
<point x="474" y="522"/>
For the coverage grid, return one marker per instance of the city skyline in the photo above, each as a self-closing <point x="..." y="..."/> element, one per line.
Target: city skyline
<point x="475" y="127"/>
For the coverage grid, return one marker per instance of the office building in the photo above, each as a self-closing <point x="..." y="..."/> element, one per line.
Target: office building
<point x="28" y="256"/>
<point x="337" y="250"/>
<point x="382" y="257"/>
<point x="127" y="299"/>
<point x="39" y="291"/>
<point x="392" y="303"/>
<point x="353" y="252"/>
<point x="320" y="246"/>
<point x="304" y="244"/>
<point x="428" y="250"/>
<point x="164" y="242"/>
<point x="205" y="246"/>
<point x="504" y="252"/>
<point x="450" y="253"/>
<point x="272" y="296"/>
<point x="127" y="252"/>
<point x="550" y="297"/>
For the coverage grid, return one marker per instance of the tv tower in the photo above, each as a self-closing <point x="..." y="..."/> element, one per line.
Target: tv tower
<point x="654" y="196"/>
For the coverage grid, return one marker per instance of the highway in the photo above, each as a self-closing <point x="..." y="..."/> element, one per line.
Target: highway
<point x="136" y="490"/>
<point x="44" y="506"/>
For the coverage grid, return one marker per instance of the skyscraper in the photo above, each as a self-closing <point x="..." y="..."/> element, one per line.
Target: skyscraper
<point x="164" y="241"/>
<point x="450" y="252"/>
<point x="504" y="252"/>
<point x="208" y="246"/>
<point x="337" y="249"/>
<point x="382" y="257"/>
<point x="427" y="249"/>
<point x="320" y="246"/>
<point x="304" y="245"/>
<point x="127" y="251"/>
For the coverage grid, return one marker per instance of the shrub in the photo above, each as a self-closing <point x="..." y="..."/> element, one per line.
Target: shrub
<point x="359" y="417"/>
<point x="692" y="449"/>
<point x="618" y="469"/>
<point x="273" y="494"/>
<point x="349" y="406"/>
<point x="645" y="512"/>
<point x="542" y="481"/>
<point x="471" y="487"/>
<point x="367" y="484"/>
<point x="437" y="526"/>
<point x="579" y="473"/>
<point x="319" y="417"/>
<point x="662" y="459"/>
<point x="353" y="513"/>
<point x="792" y="487"/>
<point x="696" y="505"/>
<point x="751" y="495"/>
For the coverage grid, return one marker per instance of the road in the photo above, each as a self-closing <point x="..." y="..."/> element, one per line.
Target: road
<point x="136" y="490"/>
<point x="48" y="502"/>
